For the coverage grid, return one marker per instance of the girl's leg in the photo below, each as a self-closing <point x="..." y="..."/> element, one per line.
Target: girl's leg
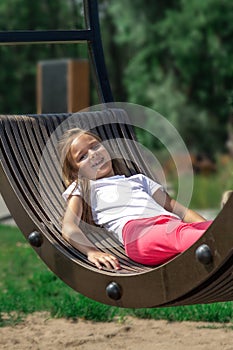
<point x="189" y="233"/>
<point x="154" y="241"/>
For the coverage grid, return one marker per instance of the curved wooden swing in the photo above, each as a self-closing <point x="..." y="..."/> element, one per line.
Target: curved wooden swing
<point x="31" y="186"/>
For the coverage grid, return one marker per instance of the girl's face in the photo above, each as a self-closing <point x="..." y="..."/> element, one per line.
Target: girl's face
<point x="90" y="158"/>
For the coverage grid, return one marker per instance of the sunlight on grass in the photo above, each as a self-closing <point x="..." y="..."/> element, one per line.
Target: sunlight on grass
<point x="208" y="189"/>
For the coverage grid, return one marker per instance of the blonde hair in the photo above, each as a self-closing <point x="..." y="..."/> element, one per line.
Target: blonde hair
<point x="70" y="172"/>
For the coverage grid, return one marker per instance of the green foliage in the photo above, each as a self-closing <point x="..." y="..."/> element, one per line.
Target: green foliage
<point x="178" y="61"/>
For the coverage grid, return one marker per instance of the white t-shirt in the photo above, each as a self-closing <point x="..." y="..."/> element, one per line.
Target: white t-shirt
<point x="117" y="199"/>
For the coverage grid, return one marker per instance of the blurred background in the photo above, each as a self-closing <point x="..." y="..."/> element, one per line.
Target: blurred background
<point x="173" y="56"/>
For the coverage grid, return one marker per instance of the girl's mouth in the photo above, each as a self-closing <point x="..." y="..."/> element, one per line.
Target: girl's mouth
<point x="96" y="164"/>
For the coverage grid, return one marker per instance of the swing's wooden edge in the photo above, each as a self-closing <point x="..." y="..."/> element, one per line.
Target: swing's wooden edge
<point x="182" y="280"/>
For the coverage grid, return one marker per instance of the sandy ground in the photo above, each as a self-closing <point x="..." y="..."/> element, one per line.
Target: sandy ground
<point x="40" y="332"/>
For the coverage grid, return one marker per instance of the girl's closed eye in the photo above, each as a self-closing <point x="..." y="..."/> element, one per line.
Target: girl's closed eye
<point x="94" y="147"/>
<point x="82" y="157"/>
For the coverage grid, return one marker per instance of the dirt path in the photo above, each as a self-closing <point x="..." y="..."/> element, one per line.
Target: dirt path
<point x="39" y="332"/>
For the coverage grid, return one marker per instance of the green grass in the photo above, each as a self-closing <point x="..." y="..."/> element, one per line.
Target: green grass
<point x="207" y="189"/>
<point x="27" y="286"/>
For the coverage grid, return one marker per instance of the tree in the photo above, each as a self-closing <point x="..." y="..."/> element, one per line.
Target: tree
<point x="178" y="60"/>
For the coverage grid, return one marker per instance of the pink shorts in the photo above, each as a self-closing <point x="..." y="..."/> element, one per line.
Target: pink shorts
<point x="153" y="241"/>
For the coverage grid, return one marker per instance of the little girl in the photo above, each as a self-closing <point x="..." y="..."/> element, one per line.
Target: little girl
<point x="152" y="227"/>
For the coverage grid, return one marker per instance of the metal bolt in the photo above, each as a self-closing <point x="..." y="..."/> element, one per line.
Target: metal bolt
<point x="114" y="291"/>
<point x="204" y="254"/>
<point x="35" y="238"/>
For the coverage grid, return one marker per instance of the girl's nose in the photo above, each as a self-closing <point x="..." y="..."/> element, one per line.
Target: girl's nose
<point x="92" y="153"/>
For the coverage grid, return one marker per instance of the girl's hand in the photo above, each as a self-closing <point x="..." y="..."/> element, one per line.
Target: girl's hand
<point x="101" y="259"/>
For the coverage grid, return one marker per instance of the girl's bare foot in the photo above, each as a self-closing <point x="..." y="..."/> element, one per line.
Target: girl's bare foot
<point x="226" y="195"/>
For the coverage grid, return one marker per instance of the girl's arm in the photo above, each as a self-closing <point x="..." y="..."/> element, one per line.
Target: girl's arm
<point x="187" y="215"/>
<point x="74" y="235"/>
